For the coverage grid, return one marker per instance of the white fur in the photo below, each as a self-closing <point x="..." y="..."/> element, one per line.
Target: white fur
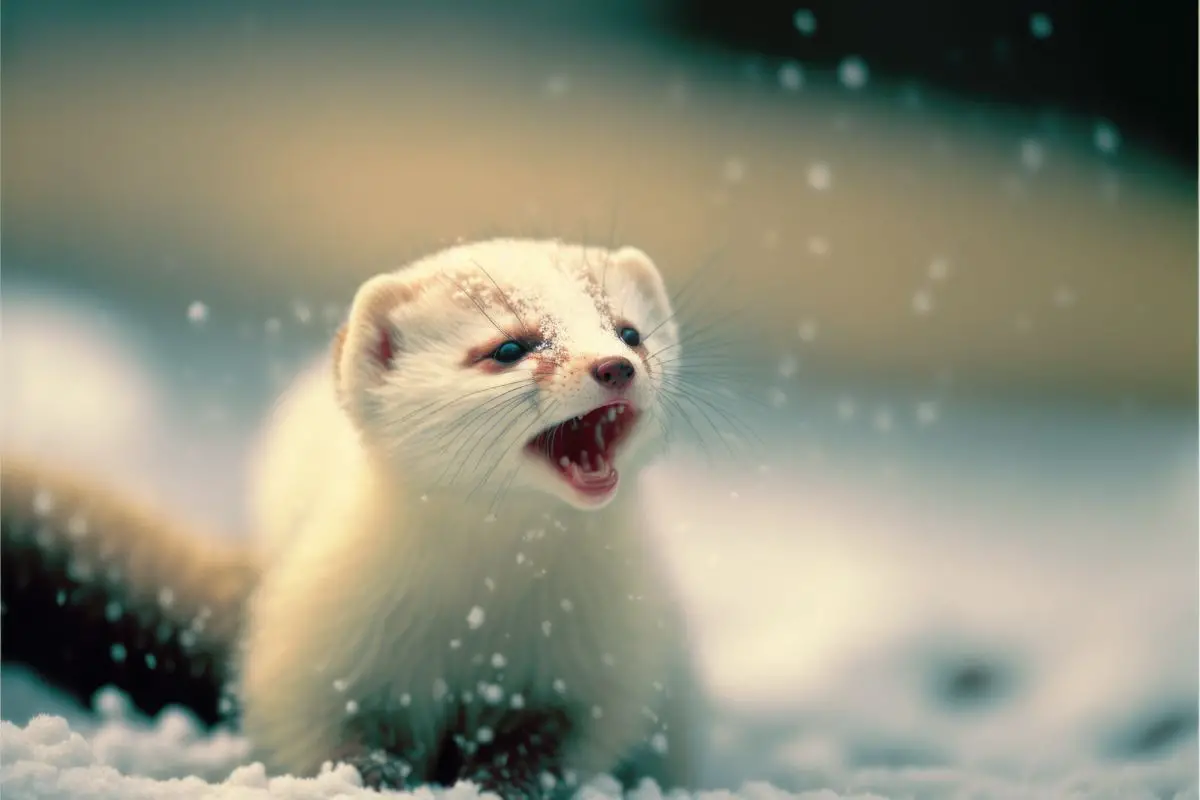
<point x="393" y="500"/>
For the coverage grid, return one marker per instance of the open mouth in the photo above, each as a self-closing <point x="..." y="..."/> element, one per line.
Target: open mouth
<point x="581" y="449"/>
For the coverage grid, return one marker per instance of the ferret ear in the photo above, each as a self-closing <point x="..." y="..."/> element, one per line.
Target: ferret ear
<point x="639" y="268"/>
<point x="366" y="346"/>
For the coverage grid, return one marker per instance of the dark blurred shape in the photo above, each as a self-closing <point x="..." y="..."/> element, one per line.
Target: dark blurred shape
<point x="83" y="607"/>
<point x="1130" y="63"/>
<point x="971" y="682"/>
<point x="1158" y="732"/>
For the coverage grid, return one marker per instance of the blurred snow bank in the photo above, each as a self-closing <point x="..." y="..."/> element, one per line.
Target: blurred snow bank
<point x="74" y="383"/>
<point x="170" y="761"/>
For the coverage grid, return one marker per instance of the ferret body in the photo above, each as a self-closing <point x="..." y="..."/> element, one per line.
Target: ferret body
<point x="456" y="588"/>
<point x="456" y="582"/>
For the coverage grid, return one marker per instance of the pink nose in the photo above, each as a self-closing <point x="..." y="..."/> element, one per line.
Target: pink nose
<point x="615" y="373"/>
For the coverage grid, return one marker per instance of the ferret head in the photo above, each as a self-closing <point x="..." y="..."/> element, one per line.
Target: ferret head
<point x="512" y="364"/>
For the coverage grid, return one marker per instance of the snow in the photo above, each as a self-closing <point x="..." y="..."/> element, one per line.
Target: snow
<point x="118" y="424"/>
<point x="962" y="602"/>
<point x="169" y="760"/>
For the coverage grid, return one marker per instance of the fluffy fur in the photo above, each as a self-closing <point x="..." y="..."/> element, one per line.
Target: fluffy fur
<point x="441" y="603"/>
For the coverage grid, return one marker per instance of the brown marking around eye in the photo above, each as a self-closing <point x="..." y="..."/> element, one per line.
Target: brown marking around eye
<point x="481" y="357"/>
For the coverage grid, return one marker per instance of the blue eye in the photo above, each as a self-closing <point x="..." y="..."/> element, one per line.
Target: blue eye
<point x="630" y="336"/>
<point x="510" y="352"/>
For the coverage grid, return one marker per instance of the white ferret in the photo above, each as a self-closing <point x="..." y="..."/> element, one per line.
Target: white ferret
<point x="459" y="581"/>
<point x="452" y="579"/>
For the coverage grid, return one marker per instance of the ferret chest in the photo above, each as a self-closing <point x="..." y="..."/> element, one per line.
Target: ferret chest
<point x="533" y="624"/>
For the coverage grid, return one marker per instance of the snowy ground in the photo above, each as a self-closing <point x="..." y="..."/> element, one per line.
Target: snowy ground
<point x="892" y="600"/>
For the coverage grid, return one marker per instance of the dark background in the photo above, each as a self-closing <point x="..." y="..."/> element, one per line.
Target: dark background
<point x="1132" y="63"/>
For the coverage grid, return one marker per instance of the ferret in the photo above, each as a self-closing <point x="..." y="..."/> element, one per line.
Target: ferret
<point x="455" y="581"/>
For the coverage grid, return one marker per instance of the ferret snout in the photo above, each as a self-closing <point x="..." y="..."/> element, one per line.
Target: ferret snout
<point x="614" y="373"/>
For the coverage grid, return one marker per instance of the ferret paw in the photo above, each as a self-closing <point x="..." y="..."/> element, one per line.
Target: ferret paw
<point x="382" y="770"/>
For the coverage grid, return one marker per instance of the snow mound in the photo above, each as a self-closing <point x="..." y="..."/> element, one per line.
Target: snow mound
<point x="169" y="760"/>
<point x="104" y="410"/>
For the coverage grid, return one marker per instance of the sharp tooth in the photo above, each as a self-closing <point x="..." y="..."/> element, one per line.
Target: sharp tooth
<point x="612" y="414"/>
<point x="583" y="459"/>
<point x="600" y="437"/>
<point x="566" y="462"/>
<point x="602" y="466"/>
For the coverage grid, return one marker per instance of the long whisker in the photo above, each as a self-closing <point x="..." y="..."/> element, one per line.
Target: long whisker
<point x="443" y="404"/>
<point x="673" y="405"/>
<point x="693" y="338"/>
<point x="681" y="300"/>
<point x="700" y="403"/>
<point x="471" y="296"/>
<point x="460" y="434"/>
<point x="505" y="299"/>
<point x="510" y="407"/>
<point x="499" y="440"/>
<point x="512" y="474"/>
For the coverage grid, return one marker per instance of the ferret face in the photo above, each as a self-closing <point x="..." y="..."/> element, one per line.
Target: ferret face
<point x="513" y="364"/>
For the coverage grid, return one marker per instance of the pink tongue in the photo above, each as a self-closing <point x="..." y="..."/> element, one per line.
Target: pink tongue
<point x="600" y="482"/>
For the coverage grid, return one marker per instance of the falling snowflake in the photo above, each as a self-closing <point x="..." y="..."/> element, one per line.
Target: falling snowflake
<point x="791" y="76"/>
<point x="807" y="330"/>
<point x="820" y="176"/>
<point x="476" y="617"/>
<point x="805" y="21"/>
<point x="43" y="502"/>
<point x="1106" y="138"/>
<point x="1033" y="154"/>
<point x="852" y="72"/>
<point x="1041" y="26"/>
<point x="922" y="302"/>
<point x="939" y="269"/>
<point x="197" y="313"/>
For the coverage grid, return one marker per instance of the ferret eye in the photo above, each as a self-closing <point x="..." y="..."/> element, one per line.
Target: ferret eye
<point x="510" y="352"/>
<point x="630" y="336"/>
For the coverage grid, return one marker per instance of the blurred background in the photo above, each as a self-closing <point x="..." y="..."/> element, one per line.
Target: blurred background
<point x="954" y="254"/>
